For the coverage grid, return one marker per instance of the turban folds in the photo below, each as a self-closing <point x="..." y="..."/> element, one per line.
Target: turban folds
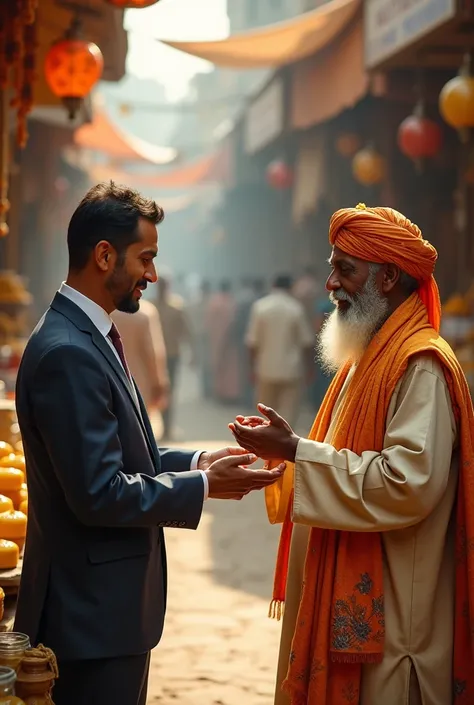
<point x="383" y="235"/>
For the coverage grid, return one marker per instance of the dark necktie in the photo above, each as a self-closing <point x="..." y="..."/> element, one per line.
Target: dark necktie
<point x="116" y="340"/>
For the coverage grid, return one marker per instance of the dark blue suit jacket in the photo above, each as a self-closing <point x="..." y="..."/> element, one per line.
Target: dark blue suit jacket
<point x="100" y="491"/>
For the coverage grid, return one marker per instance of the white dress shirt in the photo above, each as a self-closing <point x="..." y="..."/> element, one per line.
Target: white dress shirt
<point x="103" y="322"/>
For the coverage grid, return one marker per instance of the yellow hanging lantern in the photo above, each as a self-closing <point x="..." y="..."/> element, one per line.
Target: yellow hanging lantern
<point x="368" y="167"/>
<point x="456" y="100"/>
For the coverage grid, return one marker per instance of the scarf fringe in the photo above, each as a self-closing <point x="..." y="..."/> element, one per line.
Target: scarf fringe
<point x="276" y="610"/>
<point x="356" y="658"/>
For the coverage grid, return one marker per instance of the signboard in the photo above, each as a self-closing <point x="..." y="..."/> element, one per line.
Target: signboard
<point x="265" y="118"/>
<point x="392" y="25"/>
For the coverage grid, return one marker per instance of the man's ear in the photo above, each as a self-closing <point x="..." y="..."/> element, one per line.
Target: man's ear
<point x="104" y="255"/>
<point x="390" y="277"/>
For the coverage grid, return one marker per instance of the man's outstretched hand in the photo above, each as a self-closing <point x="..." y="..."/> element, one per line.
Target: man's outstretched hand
<point x="268" y="438"/>
<point x="209" y="457"/>
<point x="230" y="478"/>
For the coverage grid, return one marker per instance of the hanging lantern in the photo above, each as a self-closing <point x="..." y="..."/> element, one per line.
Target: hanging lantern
<point x="279" y="175"/>
<point x="132" y="4"/>
<point x="347" y="144"/>
<point x="419" y="137"/>
<point x="368" y="167"/>
<point x="456" y="100"/>
<point x="72" y="68"/>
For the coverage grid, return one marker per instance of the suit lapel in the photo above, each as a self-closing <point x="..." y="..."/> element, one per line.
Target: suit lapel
<point x="106" y="350"/>
<point x="83" y="322"/>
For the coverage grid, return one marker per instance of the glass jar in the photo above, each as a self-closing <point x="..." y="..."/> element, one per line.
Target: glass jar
<point x="7" y="687"/>
<point x="12" y="649"/>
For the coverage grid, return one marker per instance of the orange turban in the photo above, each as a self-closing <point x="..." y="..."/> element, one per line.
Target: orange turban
<point x="383" y="235"/>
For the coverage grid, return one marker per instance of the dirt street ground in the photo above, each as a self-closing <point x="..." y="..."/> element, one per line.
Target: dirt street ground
<point x="219" y="647"/>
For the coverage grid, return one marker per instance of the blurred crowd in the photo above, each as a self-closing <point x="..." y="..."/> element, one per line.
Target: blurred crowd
<point x="247" y="341"/>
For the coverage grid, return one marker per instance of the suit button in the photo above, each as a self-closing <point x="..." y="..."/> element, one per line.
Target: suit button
<point x="182" y="524"/>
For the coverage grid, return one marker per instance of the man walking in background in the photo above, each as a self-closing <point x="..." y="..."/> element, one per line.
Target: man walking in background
<point x="245" y="298"/>
<point x="197" y="310"/>
<point x="281" y="344"/>
<point x="176" y="333"/>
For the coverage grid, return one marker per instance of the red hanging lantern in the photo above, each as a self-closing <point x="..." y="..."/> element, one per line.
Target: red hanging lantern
<point x="72" y="68"/>
<point x="279" y="175"/>
<point x="419" y="137"/>
<point x="132" y="4"/>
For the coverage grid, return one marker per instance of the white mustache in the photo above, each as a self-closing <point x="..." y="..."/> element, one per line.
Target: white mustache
<point x="340" y="295"/>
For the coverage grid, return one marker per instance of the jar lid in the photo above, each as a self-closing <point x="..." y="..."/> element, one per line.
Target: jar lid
<point x="12" y="641"/>
<point x="7" y="675"/>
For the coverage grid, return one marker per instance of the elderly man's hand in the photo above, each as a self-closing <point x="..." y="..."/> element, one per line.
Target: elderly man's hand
<point x="270" y="437"/>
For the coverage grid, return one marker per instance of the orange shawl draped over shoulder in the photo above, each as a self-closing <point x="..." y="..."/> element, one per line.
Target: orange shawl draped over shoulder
<point x="340" y="623"/>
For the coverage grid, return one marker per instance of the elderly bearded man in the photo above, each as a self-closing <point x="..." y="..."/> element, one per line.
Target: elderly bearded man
<point x="376" y="554"/>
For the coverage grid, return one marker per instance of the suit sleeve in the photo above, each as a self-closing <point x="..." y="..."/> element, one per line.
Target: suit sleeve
<point x="72" y="405"/>
<point x="176" y="460"/>
<point x="393" y="489"/>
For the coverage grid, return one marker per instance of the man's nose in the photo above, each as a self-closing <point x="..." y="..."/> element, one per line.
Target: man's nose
<point x="333" y="283"/>
<point x="151" y="275"/>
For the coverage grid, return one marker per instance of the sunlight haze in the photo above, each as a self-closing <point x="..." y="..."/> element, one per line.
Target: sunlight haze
<point x="173" y="20"/>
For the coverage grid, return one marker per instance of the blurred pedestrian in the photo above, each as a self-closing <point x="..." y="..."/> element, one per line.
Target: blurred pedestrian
<point x="197" y="318"/>
<point x="142" y="338"/>
<point x="176" y="333"/>
<point x="220" y="319"/>
<point x="281" y="344"/>
<point x="306" y="289"/>
<point x="245" y="298"/>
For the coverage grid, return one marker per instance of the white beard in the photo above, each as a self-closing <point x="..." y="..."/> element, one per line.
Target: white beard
<point x="346" y="335"/>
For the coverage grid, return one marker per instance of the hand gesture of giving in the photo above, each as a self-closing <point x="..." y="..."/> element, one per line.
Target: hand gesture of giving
<point x="230" y="478"/>
<point x="269" y="438"/>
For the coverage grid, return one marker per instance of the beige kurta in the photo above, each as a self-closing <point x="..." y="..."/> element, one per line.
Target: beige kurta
<point x="407" y="492"/>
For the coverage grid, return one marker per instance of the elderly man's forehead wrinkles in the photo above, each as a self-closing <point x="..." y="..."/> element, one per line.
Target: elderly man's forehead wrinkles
<point x="342" y="258"/>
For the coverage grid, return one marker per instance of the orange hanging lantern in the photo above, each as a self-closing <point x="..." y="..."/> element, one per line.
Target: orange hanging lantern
<point x="132" y="4"/>
<point x="456" y="100"/>
<point x="347" y="144"/>
<point x="279" y="175"/>
<point x="368" y="167"/>
<point x="72" y="68"/>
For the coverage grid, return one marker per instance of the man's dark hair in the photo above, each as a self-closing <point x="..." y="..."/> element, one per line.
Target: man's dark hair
<point x="108" y="212"/>
<point x="283" y="281"/>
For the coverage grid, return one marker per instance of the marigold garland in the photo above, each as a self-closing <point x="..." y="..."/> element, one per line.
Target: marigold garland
<point x="17" y="74"/>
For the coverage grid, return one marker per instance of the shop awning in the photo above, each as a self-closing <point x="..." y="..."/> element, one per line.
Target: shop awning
<point x="102" y="135"/>
<point x="277" y="44"/>
<point x="334" y="80"/>
<point x="194" y="173"/>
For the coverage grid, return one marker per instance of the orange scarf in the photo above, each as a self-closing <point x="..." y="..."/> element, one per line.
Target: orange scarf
<point x="340" y="623"/>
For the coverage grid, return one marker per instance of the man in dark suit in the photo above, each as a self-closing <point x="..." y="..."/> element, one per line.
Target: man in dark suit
<point x="100" y="492"/>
